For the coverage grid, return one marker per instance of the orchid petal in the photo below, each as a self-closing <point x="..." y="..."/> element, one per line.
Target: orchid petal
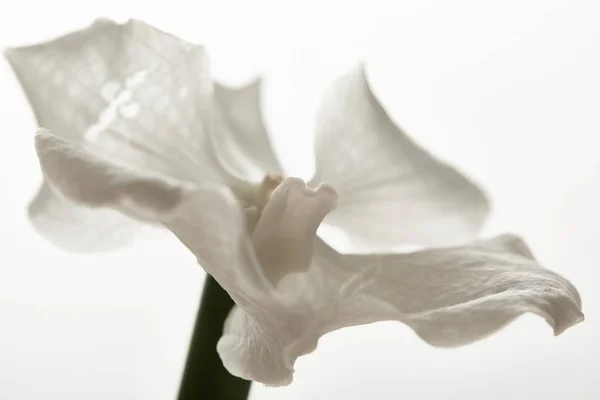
<point x="91" y="180"/>
<point x="130" y="90"/>
<point x="245" y="143"/>
<point x="77" y="228"/>
<point x="212" y="225"/>
<point x="455" y="296"/>
<point x="206" y="218"/>
<point x="130" y="93"/>
<point x="449" y="296"/>
<point x="392" y="192"/>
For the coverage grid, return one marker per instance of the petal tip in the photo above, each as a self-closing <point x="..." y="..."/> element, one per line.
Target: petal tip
<point x="11" y="55"/>
<point x="43" y="133"/>
<point x="360" y="68"/>
<point x="46" y="140"/>
<point x="359" y="74"/>
<point x="103" y="21"/>
<point x="515" y="244"/>
<point x="254" y="85"/>
<point x="252" y="365"/>
<point x="251" y="88"/>
<point x="560" y="328"/>
<point x="8" y="52"/>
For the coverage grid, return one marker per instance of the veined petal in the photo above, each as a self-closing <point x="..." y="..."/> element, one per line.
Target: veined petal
<point x="392" y="192"/>
<point x="132" y="94"/>
<point x="455" y="296"/>
<point x="449" y="296"/>
<point x="130" y="91"/>
<point x="245" y="145"/>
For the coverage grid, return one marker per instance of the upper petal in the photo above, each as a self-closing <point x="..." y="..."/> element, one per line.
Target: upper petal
<point x="130" y="91"/>
<point x="245" y="145"/>
<point x="449" y="296"/>
<point x="392" y="192"/>
<point x="132" y="94"/>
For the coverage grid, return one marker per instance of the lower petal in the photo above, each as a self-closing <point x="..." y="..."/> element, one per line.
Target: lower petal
<point x="455" y="296"/>
<point x="78" y="228"/>
<point x="250" y="352"/>
<point x="449" y="296"/>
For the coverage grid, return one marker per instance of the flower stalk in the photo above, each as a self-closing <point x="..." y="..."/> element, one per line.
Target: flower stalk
<point x="204" y="376"/>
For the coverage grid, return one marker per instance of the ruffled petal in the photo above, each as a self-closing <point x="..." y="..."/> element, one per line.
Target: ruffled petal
<point x="392" y="192"/>
<point x="132" y="94"/>
<point x="455" y="296"/>
<point x="252" y="349"/>
<point x="93" y="181"/>
<point x="245" y="145"/>
<point x="449" y="296"/>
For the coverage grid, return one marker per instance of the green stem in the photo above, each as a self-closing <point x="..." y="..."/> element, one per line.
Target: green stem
<point x="204" y="376"/>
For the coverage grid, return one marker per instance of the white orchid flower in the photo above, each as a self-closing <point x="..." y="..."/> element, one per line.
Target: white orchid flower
<point x="138" y="131"/>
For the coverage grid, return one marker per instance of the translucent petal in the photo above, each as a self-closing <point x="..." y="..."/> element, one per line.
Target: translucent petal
<point x="207" y="218"/>
<point x="449" y="296"/>
<point x="130" y="92"/>
<point x="245" y="144"/>
<point x="211" y="224"/>
<point x="77" y="228"/>
<point x="85" y="178"/>
<point x="392" y="192"/>
<point x="455" y="296"/>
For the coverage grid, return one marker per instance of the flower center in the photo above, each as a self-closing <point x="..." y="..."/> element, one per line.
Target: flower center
<point x="289" y="213"/>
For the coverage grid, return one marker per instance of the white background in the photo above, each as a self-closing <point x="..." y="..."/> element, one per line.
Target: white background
<point x="508" y="91"/>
